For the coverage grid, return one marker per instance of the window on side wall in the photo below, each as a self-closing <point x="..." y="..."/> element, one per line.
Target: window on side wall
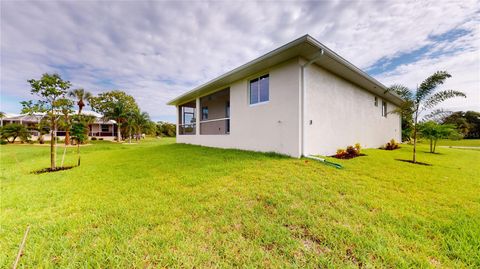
<point x="205" y="113"/>
<point x="376" y="101"/>
<point x="259" y="90"/>
<point x="384" y="109"/>
<point x="105" y="128"/>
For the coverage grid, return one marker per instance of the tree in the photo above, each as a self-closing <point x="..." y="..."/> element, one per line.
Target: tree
<point x="79" y="131"/>
<point x="467" y="123"/>
<point x="130" y="125"/>
<point x="14" y="131"/>
<point x="81" y="96"/>
<point x="142" y="123"/>
<point x="65" y="106"/>
<point x="49" y="89"/>
<point x="114" y="105"/>
<point x="434" y="131"/>
<point x="165" y="129"/>
<point x="2" y="115"/>
<point x="422" y="99"/>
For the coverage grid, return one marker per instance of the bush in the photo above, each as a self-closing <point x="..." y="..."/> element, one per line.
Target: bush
<point x="93" y="138"/>
<point x="3" y="142"/>
<point x="101" y="138"/>
<point x="392" y="145"/>
<point x="349" y="153"/>
<point x="14" y="131"/>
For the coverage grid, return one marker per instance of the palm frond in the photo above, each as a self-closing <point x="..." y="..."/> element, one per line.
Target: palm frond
<point x="428" y="86"/>
<point x="437" y="115"/>
<point x="439" y="97"/>
<point x="401" y="90"/>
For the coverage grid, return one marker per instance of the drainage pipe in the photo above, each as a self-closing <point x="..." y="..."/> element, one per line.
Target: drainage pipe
<point x="303" y="103"/>
<point x="322" y="160"/>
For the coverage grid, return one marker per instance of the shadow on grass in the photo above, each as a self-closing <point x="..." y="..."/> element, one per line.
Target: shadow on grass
<point x="410" y="161"/>
<point x="50" y="170"/>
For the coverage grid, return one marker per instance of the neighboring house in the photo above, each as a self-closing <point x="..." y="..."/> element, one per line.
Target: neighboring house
<point x="300" y="99"/>
<point x="100" y="128"/>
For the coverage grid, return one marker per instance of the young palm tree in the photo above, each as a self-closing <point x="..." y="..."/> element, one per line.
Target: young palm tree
<point x="82" y="96"/>
<point x="423" y="99"/>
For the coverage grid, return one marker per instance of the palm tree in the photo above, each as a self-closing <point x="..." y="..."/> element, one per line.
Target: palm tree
<point x="81" y="95"/>
<point x="422" y="99"/>
<point x="130" y="125"/>
<point x="119" y="113"/>
<point x="142" y="119"/>
<point x="80" y="130"/>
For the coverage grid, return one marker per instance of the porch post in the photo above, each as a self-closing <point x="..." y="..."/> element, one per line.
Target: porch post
<point x="177" y="123"/>
<point x="197" y="116"/>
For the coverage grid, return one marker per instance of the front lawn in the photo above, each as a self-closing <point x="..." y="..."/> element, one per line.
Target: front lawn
<point x="160" y="204"/>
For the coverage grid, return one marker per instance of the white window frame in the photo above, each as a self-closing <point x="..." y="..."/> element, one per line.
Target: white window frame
<point x="384" y="108"/>
<point x="249" y="92"/>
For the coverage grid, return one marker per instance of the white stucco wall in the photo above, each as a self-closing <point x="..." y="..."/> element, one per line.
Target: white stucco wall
<point x="272" y="126"/>
<point x="343" y="114"/>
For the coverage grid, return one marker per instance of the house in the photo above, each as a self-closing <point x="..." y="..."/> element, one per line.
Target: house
<point x="104" y="129"/>
<point x="300" y="99"/>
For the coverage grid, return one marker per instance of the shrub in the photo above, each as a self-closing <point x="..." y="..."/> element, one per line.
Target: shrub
<point x="349" y="153"/>
<point x="14" y="131"/>
<point x="93" y="138"/>
<point x="392" y="145"/>
<point x="101" y="138"/>
<point x="3" y="142"/>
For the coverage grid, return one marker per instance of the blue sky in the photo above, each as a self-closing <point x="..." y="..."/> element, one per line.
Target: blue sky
<point x="157" y="50"/>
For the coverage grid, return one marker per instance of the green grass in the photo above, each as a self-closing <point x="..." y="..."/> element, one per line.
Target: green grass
<point x="159" y="204"/>
<point x="460" y="143"/>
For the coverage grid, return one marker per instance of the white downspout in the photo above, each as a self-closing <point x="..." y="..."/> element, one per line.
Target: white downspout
<point x="304" y="100"/>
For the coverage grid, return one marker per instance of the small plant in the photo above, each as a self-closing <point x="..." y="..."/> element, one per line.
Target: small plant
<point x="349" y="153"/>
<point x="93" y="138"/>
<point x="392" y="145"/>
<point x="101" y="138"/>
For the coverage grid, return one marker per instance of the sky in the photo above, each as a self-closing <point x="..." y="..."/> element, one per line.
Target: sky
<point x="157" y="50"/>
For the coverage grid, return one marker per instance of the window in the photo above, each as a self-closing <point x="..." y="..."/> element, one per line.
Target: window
<point x="384" y="109"/>
<point x="105" y="128"/>
<point x="376" y="101"/>
<point x="227" y="114"/>
<point x="259" y="90"/>
<point x="205" y="113"/>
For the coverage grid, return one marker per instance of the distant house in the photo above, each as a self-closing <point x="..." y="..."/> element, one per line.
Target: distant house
<point x="105" y="129"/>
<point x="300" y="99"/>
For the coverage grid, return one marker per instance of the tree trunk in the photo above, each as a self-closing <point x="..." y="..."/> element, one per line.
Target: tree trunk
<point x="78" y="152"/>
<point x="414" y="144"/>
<point x="53" y="145"/>
<point x="119" y="135"/>
<point x="67" y="136"/>
<point x="434" y="145"/>
<point x="63" y="156"/>
<point x="431" y="145"/>
<point x="130" y="137"/>
<point x="67" y="132"/>
<point x="415" y="137"/>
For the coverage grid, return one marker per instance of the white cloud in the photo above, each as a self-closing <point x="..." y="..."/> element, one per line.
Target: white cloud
<point x="157" y="50"/>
